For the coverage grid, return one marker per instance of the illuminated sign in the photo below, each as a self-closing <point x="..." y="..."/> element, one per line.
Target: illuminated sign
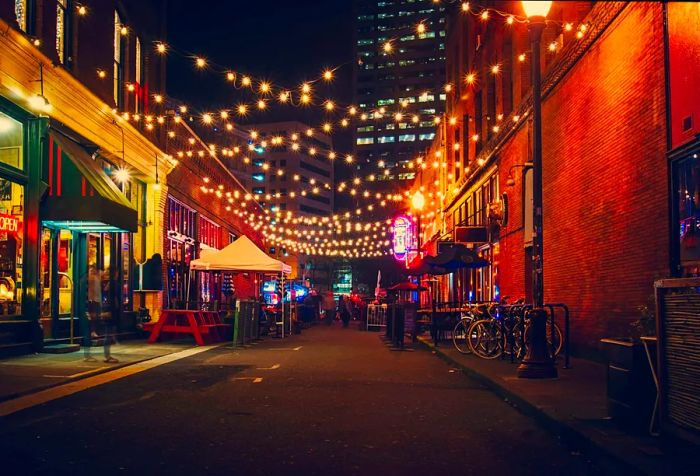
<point x="9" y="223"/>
<point x="403" y="237"/>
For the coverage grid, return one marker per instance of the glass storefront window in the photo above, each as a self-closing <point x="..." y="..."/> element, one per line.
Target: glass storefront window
<point x="11" y="246"/>
<point x="687" y="175"/>
<point x="11" y="142"/>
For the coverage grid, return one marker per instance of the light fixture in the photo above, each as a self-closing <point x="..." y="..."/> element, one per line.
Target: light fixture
<point x="536" y="9"/>
<point x="122" y="175"/>
<point x="39" y="102"/>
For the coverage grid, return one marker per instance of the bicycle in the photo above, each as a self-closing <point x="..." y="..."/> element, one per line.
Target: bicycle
<point x="461" y="329"/>
<point x="507" y="332"/>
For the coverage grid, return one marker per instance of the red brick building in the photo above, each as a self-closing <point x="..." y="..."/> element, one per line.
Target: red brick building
<point x="609" y="69"/>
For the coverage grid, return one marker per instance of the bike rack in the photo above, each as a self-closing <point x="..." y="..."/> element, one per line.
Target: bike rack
<point x="565" y="308"/>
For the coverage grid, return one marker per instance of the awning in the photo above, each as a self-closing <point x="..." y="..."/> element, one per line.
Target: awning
<point x="457" y="256"/>
<point x="82" y="197"/>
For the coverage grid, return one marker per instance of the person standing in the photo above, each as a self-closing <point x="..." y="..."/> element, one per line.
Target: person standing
<point x="329" y="307"/>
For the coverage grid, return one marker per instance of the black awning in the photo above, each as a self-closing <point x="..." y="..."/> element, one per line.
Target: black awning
<point x="456" y="257"/>
<point x="84" y="197"/>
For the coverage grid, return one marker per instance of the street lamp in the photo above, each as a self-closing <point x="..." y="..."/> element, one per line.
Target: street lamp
<point x="538" y="362"/>
<point x="417" y="203"/>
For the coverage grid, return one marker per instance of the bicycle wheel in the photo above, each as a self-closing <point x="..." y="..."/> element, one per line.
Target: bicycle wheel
<point x="459" y="336"/>
<point x="555" y="344"/>
<point x="485" y="339"/>
<point x="558" y="340"/>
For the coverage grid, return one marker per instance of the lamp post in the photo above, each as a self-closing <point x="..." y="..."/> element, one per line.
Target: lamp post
<point x="538" y="362"/>
<point x="417" y="203"/>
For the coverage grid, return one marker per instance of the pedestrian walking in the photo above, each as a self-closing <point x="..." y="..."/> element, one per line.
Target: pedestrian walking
<point x="329" y="307"/>
<point x="345" y="309"/>
<point x="96" y="317"/>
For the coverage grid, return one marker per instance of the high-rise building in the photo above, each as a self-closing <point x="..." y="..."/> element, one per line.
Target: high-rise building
<point x="287" y="178"/>
<point x="400" y="51"/>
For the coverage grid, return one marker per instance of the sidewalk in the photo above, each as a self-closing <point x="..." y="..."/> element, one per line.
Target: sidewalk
<point x="27" y="374"/>
<point x="574" y="407"/>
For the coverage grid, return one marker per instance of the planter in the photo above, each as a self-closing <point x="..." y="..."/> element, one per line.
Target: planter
<point x="630" y="384"/>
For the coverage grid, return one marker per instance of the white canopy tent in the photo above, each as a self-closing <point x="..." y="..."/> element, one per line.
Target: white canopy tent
<point x="240" y="256"/>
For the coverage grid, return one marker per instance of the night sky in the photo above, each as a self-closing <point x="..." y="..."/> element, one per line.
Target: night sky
<point x="282" y="41"/>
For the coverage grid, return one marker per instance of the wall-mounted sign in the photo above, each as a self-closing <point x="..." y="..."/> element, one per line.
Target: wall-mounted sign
<point x="8" y="223"/>
<point x="403" y="237"/>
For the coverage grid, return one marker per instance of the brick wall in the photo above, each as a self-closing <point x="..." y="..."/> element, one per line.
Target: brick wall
<point x="605" y="178"/>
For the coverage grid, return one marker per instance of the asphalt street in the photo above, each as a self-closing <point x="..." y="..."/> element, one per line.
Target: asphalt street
<point x="330" y="401"/>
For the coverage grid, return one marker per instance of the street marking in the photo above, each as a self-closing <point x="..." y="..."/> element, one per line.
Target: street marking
<point x="78" y="374"/>
<point x="254" y="379"/>
<point x="274" y="367"/>
<point x="286" y="348"/>
<point x="54" y="393"/>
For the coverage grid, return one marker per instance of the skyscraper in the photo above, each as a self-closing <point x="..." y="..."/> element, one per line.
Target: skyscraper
<point x="399" y="80"/>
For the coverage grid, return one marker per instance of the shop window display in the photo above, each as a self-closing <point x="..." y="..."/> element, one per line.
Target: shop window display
<point x="11" y="241"/>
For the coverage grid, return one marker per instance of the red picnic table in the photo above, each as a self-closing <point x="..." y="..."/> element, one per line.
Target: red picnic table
<point x="189" y="321"/>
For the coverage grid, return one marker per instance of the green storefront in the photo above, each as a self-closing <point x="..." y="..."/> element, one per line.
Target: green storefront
<point x="64" y="220"/>
<point x="21" y="144"/>
<point x="88" y="217"/>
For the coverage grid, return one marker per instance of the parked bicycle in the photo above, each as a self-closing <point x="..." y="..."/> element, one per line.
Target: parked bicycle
<point x="506" y="331"/>
<point x="461" y="330"/>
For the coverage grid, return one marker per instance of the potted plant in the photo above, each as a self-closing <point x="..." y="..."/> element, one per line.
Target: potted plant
<point x="630" y="385"/>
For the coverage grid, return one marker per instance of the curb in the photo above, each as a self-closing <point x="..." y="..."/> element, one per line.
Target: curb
<point x="567" y="433"/>
<point x="5" y="398"/>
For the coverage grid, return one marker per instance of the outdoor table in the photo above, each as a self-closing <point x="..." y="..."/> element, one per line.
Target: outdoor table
<point x="188" y="321"/>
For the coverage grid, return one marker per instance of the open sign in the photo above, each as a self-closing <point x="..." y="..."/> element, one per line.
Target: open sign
<point x="8" y="223"/>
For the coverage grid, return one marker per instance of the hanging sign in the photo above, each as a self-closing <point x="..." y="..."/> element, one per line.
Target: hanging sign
<point x="403" y="237"/>
<point x="8" y="223"/>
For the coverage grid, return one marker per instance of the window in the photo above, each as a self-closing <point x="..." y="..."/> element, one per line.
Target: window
<point x="365" y="140"/>
<point x="429" y="136"/>
<point x="364" y="41"/>
<point x="386" y="139"/>
<point x="61" y="29"/>
<point x="407" y="138"/>
<point x="259" y="190"/>
<point x="22" y="15"/>
<point x="118" y="61"/>
<point x="209" y="233"/>
<point x="138" y="76"/>
<point x="365" y="129"/>
<point x="11" y="142"/>
<point x="259" y="177"/>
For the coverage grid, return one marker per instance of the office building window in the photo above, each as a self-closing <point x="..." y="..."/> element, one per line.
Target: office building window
<point x="118" y="61"/>
<point x="429" y="136"/>
<point x="407" y="138"/>
<point x="365" y="140"/>
<point x="386" y="139"/>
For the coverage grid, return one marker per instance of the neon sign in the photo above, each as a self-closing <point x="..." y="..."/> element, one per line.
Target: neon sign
<point x="403" y="237"/>
<point x="9" y="223"/>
